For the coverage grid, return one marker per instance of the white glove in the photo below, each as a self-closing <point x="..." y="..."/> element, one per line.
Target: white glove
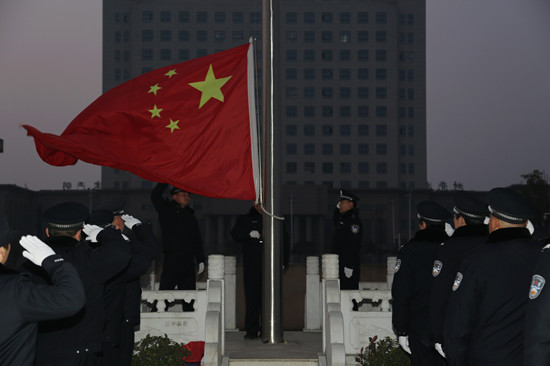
<point x="439" y="349"/>
<point x="91" y="231"/>
<point x="348" y="272"/>
<point x="254" y="234"/>
<point x="130" y="221"/>
<point x="404" y="343"/>
<point x="35" y="249"/>
<point x="201" y="268"/>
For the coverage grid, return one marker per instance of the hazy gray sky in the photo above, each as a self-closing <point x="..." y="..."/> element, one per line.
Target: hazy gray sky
<point x="488" y="87"/>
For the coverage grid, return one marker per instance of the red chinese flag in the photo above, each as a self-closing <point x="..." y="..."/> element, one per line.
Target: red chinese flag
<point x="192" y="125"/>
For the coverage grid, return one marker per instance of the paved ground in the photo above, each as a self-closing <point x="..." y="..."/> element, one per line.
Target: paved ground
<point x="297" y="345"/>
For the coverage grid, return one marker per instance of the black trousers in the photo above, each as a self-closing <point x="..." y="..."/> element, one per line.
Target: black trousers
<point x="423" y="353"/>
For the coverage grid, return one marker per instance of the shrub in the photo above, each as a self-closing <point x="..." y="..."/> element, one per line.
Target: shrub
<point x="159" y="351"/>
<point x="385" y="352"/>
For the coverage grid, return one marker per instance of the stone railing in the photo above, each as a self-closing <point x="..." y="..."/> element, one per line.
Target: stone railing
<point x="207" y="321"/>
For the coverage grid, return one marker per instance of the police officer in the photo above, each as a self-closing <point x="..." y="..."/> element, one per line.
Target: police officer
<point x="249" y="232"/>
<point x="469" y="215"/>
<point x="484" y="323"/>
<point x="181" y="240"/>
<point x="76" y="340"/>
<point x="412" y="284"/>
<point x="346" y="240"/>
<point x="25" y="303"/>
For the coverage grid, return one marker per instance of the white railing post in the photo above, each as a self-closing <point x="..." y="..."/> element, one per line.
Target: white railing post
<point x="230" y="283"/>
<point x="312" y="316"/>
<point x="390" y="263"/>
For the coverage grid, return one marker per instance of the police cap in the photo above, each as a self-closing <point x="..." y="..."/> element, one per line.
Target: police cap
<point x="66" y="215"/>
<point x="176" y="190"/>
<point x="101" y="218"/>
<point x="346" y="195"/>
<point x="510" y="206"/>
<point x="7" y="236"/>
<point x="116" y="206"/>
<point x="432" y="211"/>
<point x="469" y="205"/>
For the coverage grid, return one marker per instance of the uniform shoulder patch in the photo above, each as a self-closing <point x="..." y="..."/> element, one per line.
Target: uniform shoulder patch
<point x="537" y="283"/>
<point x="458" y="280"/>
<point x="355" y="229"/>
<point x="436" y="270"/>
<point x="397" y="265"/>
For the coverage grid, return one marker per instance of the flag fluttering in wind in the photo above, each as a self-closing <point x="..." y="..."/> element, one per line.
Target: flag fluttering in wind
<point x="192" y="125"/>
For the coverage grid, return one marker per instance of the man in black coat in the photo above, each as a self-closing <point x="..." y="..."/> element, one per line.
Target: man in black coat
<point x="76" y="340"/>
<point x="346" y="240"/>
<point x="181" y="240"/>
<point x="412" y="284"/>
<point x="249" y="232"/>
<point x="469" y="215"/>
<point x="485" y="319"/>
<point x="25" y="303"/>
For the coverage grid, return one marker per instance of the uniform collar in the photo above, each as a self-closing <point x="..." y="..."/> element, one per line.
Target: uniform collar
<point x="512" y="233"/>
<point x="432" y="235"/>
<point x="471" y="230"/>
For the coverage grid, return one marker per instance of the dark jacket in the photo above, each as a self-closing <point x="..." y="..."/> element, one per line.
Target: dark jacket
<point x="180" y="228"/>
<point x="412" y="283"/>
<point x="445" y="267"/>
<point x="69" y="337"/>
<point x="346" y="242"/>
<point x="484" y="323"/>
<point x="25" y="303"/>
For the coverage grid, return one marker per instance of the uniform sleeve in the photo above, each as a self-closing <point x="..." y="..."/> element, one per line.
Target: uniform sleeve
<point x="537" y="321"/>
<point x="144" y="249"/>
<point x="350" y="256"/>
<point x="112" y="256"/>
<point x="461" y="313"/>
<point x="156" y="197"/>
<point x="198" y="250"/>
<point x="241" y="231"/>
<point x="442" y="282"/>
<point x="401" y="291"/>
<point x="63" y="298"/>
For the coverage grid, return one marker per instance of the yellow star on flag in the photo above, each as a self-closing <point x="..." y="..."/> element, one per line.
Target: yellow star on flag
<point x="171" y="73"/>
<point x="210" y="87"/>
<point x="155" y="112"/>
<point x="154" y="88"/>
<point x="173" y="125"/>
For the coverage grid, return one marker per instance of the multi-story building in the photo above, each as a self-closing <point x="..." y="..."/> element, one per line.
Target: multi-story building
<point x="352" y="77"/>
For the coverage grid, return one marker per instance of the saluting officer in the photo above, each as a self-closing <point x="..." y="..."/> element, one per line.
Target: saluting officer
<point x="484" y="323"/>
<point x="346" y="241"/>
<point x="412" y="284"/>
<point x="469" y="215"/>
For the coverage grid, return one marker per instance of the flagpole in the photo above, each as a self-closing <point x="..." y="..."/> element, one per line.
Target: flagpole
<point x="272" y="328"/>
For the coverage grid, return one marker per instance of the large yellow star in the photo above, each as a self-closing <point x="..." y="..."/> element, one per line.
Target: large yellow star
<point x="154" y="88"/>
<point x="210" y="87"/>
<point x="171" y="73"/>
<point x="173" y="125"/>
<point x="155" y="112"/>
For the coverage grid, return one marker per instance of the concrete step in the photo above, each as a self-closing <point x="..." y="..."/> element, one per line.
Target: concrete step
<point x="274" y="362"/>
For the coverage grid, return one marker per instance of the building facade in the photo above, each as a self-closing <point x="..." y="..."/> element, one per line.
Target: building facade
<point x="352" y="79"/>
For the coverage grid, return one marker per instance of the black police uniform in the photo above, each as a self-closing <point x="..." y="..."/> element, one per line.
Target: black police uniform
<point x="346" y="242"/>
<point x="484" y="323"/>
<point x="449" y="255"/>
<point x="537" y="319"/>
<point x="253" y="249"/>
<point x="181" y="242"/>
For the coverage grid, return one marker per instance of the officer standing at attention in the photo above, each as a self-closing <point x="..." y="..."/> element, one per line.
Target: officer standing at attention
<point x="346" y="241"/>
<point x="24" y="303"/>
<point x="76" y="340"/>
<point x="181" y="241"/>
<point x="485" y="319"/>
<point x="412" y="284"/>
<point x="469" y="215"/>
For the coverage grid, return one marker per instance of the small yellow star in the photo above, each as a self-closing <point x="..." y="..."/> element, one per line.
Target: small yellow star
<point x="171" y="73"/>
<point x="155" y="112"/>
<point x="154" y="88"/>
<point x="173" y="125"/>
<point x="210" y="87"/>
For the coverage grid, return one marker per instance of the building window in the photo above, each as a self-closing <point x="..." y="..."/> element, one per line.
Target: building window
<point x="183" y="17"/>
<point x="291" y="18"/>
<point x="183" y="54"/>
<point x="381" y="111"/>
<point x="291" y="167"/>
<point x="363" y="149"/>
<point x="165" y="17"/>
<point x="219" y="17"/>
<point x="309" y="74"/>
<point x="381" y="149"/>
<point x="380" y="36"/>
<point x="362" y="111"/>
<point x="381" y="74"/>
<point x="410" y="37"/>
<point x="147" y="35"/>
<point x="345" y="111"/>
<point x="291" y="149"/>
<point x="255" y="17"/>
<point x="327" y="168"/>
<point x="327" y="111"/>
<point x="362" y="36"/>
<point x="291" y="36"/>
<point x="326" y="74"/>
<point x="309" y="36"/>
<point x="326" y="36"/>
<point x="345" y="168"/>
<point x="362" y="55"/>
<point x="309" y="93"/>
<point x="183" y="36"/>
<point x="327" y="149"/>
<point x="326" y="92"/>
<point x="309" y="149"/>
<point x="411" y="168"/>
<point x="202" y="17"/>
<point x="309" y="55"/>
<point x="202" y="52"/>
<point x="381" y="55"/>
<point x="345" y="55"/>
<point x="291" y="92"/>
<point x="363" y="74"/>
<point x="165" y="54"/>
<point x="309" y="17"/>
<point x="291" y="74"/>
<point x="291" y="130"/>
<point x="237" y="35"/>
<point x="345" y="93"/>
<point x="345" y="36"/>
<point x="291" y="111"/>
<point x="410" y="131"/>
<point x="410" y="75"/>
<point x="326" y="17"/>
<point x="309" y="111"/>
<point x="309" y="167"/>
<point x="219" y="36"/>
<point x="118" y="37"/>
<point x="345" y="74"/>
<point x="345" y="17"/>
<point x="147" y="17"/>
<point x="381" y="168"/>
<point x="381" y="130"/>
<point x="411" y="150"/>
<point x="402" y="147"/>
<point x="363" y="167"/>
<point x="402" y="94"/>
<point x="202" y="36"/>
<point x="237" y="17"/>
<point x="380" y="18"/>
<point x="117" y="55"/>
<point x="363" y="130"/>
<point x="118" y="17"/>
<point x="147" y="54"/>
<point x="362" y="17"/>
<point x="362" y="92"/>
<point x="345" y="149"/>
<point x="410" y="112"/>
<point x="381" y="93"/>
<point x="345" y="130"/>
<point x="165" y="36"/>
<point x="291" y="55"/>
<point x="410" y="19"/>
<point x="327" y="131"/>
<point x="309" y="130"/>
